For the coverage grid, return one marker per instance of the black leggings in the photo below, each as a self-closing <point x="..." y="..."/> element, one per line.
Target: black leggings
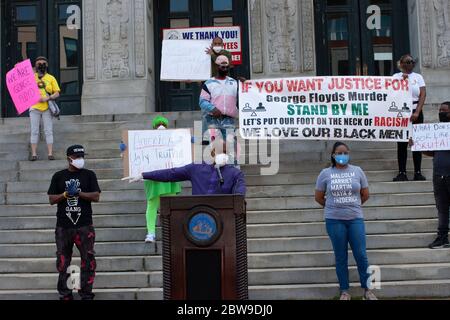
<point x="402" y="153"/>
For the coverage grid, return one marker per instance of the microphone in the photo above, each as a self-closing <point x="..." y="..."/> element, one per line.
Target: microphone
<point x="219" y="174"/>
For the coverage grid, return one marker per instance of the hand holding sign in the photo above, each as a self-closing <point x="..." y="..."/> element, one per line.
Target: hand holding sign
<point x="22" y="86"/>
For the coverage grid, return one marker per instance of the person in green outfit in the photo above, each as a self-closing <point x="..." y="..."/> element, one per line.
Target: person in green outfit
<point x="154" y="190"/>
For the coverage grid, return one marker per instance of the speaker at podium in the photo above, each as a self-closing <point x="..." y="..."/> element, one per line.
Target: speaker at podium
<point x="204" y="247"/>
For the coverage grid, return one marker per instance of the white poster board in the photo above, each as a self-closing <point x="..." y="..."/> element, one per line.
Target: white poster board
<point x="150" y="150"/>
<point x="185" y="60"/>
<point x="326" y="108"/>
<point x="431" y="137"/>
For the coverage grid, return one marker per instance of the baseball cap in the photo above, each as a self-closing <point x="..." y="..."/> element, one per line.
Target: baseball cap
<point x="75" y="150"/>
<point x="222" y="61"/>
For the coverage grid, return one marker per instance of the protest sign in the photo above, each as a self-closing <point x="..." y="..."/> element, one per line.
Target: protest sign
<point x="184" y="60"/>
<point x="326" y="108"/>
<point x="149" y="150"/>
<point x="431" y="137"/>
<point x="22" y="86"/>
<point x="231" y="37"/>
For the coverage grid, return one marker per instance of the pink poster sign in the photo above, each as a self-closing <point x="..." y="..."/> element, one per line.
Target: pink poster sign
<point x="22" y="86"/>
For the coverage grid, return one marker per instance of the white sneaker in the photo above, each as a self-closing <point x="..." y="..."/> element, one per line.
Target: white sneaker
<point x="345" y="296"/>
<point x="369" y="295"/>
<point x="150" y="238"/>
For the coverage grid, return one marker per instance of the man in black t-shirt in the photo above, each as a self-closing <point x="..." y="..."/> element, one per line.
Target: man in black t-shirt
<point x="74" y="189"/>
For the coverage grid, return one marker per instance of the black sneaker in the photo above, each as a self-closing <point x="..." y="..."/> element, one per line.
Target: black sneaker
<point x="419" y="177"/>
<point x="439" y="243"/>
<point x="401" y="177"/>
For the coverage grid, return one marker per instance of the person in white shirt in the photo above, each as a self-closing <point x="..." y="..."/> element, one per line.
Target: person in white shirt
<point x="418" y="91"/>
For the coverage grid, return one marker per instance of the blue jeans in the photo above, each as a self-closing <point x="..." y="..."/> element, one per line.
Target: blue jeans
<point x="341" y="233"/>
<point x="223" y="124"/>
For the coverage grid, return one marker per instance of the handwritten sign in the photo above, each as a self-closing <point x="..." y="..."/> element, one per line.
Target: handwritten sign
<point x="326" y="108"/>
<point x="431" y="137"/>
<point x="231" y="36"/>
<point x="185" y="60"/>
<point x="150" y="150"/>
<point x="22" y="86"/>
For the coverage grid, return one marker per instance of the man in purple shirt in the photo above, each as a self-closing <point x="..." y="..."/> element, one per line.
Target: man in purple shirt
<point x="206" y="179"/>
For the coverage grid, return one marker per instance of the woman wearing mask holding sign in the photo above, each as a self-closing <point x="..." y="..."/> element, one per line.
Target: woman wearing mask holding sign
<point x="49" y="88"/>
<point x="342" y="189"/>
<point x="418" y="91"/>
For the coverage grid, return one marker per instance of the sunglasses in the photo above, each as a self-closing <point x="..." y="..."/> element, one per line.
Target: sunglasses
<point x="410" y="62"/>
<point x="341" y="153"/>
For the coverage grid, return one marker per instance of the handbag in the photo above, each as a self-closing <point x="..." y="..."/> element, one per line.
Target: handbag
<point x="54" y="109"/>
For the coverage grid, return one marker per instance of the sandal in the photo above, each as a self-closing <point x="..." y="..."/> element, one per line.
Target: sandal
<point x="51" y="158"/>
<point x="33" y="158"/>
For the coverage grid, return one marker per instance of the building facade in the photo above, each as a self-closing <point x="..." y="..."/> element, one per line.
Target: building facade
<point x="106" y="53"/>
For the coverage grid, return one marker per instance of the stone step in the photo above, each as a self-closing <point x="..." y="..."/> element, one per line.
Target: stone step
<point x="101" y="294"/>
<point x="102" y="249"/>
<point x="40" y="233"/>
<point x="104" y="264"/>
<point x="56" y="165"/>
<point x="257" y="203"/>
<point x="390" y="290"/>
<point x="263" y="245"/>
<point x="322" y="243"/>
<point x="255" y="260"/>
<point x="419" y="289"/>
<point x="252" y="191"/>
<point x="103" y="280"/>
<point x="285" y="276"/>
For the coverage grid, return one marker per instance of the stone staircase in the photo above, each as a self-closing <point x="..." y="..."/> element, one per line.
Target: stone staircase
<point x="290" y="255"/>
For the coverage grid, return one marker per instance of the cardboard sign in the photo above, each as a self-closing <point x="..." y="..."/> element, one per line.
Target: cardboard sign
<point x="431" y="137"/>
<point x="231" y="37"/>
<point x="326" y="108"/>
<point x="22" y="86"/>
<point x="184" y="60"/>
<point x="150" y="150"/>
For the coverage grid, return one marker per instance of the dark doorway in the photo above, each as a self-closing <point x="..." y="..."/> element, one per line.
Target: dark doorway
<point x="34" y="28"/>
<point x="182" y="96"/>
<point x="347" y="42"/>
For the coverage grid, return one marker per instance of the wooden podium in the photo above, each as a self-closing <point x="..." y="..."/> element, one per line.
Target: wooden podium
<point x="204" y="248"/>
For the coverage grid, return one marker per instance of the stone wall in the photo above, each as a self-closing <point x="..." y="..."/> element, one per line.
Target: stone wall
<point x="118" y="55"/>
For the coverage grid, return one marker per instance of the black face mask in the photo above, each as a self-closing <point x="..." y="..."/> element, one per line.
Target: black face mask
<point x="223" y="72"/>
<point x="443" y="117"/>
<point x="42" y="68"/>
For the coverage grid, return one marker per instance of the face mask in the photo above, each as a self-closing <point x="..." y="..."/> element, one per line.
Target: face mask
<point x="221" y="159"/>
<point x="443" y="117"/>
<point x="161" y="127"/>
<point x="217" y="49"/>
<point x="223" y="72"/>
<point x="342" y="159"/>
<point x="78" y="163"/>
<point x="42" y="68"/>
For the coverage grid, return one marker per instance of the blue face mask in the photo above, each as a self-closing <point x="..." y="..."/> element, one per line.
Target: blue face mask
<point x="342" y="159"/>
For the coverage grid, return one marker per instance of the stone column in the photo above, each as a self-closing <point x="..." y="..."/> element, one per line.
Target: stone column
<point x="118" y="57"/>
<point x="430" y="34"/>
<point x="282" y="38"/>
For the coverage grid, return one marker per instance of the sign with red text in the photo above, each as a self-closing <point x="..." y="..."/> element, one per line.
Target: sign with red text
<point x="231" y="37"/>
<point x="22" y="86"/>
<point x="431" y="137"/>
<point x="326" y="108"/>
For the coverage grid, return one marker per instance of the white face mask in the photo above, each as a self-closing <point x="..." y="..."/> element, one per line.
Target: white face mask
<point x="161" y="127"/>
<point x="217" y="49"/>
<point x="221" y="160"/>
<point x="78" y="163"/>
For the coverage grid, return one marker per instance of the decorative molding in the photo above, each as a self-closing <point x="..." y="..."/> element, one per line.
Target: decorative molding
<point x="115" y="51"/>
<point x="256" y="36"/>
<point x="89" y="19"/>
<point x="307" y="45"/>
<point x="139" y="37"/>
<point x="434" y="21"/>
<point x="283" y="35"/>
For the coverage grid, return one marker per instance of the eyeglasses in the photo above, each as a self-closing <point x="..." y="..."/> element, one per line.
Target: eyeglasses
<point x="410" y="62"/>
<point x="341" y="153"/>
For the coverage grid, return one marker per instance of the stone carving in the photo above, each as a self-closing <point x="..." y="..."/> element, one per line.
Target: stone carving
<point x="256" y="36"/>
<point x="89" y="38"/>
<point x="435" y="33"/>
<point x="139" y="37"/>
<point x="282" y="35"/>
<point x="307" y="27"/>
<point x="115" y="52"/>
